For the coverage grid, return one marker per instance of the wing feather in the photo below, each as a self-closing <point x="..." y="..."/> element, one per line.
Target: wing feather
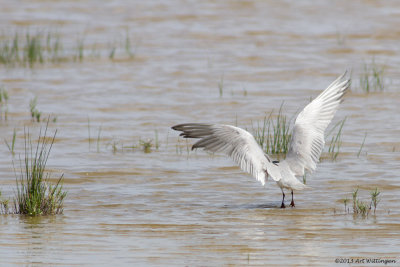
<point x="307" y="141"/>
<point x="235" y="142"/>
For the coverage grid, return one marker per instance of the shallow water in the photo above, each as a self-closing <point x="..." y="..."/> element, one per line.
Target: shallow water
<point x="172" y="207"/>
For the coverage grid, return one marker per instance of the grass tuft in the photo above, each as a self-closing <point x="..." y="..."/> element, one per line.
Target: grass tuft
<point x="361" y="208"/>
<point x="273" y="135"/>
<point x="35" y="194"/>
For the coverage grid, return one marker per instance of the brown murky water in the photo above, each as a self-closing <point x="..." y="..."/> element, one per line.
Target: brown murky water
<point x="174" y="208"/>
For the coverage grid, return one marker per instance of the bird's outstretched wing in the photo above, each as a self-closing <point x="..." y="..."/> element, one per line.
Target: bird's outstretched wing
<point x="237" y="143"/>
<point x="307" y="141"/>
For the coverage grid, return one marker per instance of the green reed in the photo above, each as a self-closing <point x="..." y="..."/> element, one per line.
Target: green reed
<point x="273" y="134"/>
<point x="36" y="195"/>
<point x="372" y="79"/>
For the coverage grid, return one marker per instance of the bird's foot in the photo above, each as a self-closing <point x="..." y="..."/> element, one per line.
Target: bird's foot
<point x="292" y="204"/>
<point x="283" y="205"/>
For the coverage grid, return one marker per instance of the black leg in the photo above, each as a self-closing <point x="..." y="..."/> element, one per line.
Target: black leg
<point x="283" y="200"/>
<point x="292" y="203"/>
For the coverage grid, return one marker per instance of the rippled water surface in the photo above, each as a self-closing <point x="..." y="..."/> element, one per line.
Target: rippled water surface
<point x="173" y="207"/>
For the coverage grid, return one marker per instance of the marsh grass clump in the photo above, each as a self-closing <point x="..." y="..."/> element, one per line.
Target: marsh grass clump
<point x="372" y="79"/>
<point x="362" y="208"/>
<point x="274" y="135"/>
<point x="36" y="195"/>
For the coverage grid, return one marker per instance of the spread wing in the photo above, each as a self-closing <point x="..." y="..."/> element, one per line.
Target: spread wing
<point x="235" y="142"/>
<point x="307" y="141"/>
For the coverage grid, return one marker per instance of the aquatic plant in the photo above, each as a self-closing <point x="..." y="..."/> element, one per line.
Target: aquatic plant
<point x="12" y="146"/>
<point x="221" y="86"/>
<point x="35" y="114"/>
<point x="372" y="79"/>
<point x="98" y="139"/>
<point x="355" y="200"/>
<point x="362" y="145"/>
<point x="40" y="47"/>
<point x="80" y="48"/>
<point x="345" y="201"/>
<point x="244" y="92"/>
<point x="88" y="127"/>
<point x="3" y="103"/>
<point x="146" y="145"/>
<point x="273" y="135"/>
<point x="361" y="207"/>
<point x="157" y="143"/>
<point x="375" y="199"/>
<point x="4" y="209"/>
<point x="35" y="193"/>
<point x="128" y="47"/>
<point x="336" y="141"/>
<point x="112" y="52"/>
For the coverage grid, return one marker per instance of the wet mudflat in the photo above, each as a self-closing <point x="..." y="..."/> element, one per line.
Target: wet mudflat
<point x="223" y="62"/>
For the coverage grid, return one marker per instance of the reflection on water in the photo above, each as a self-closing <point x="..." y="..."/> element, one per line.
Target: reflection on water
<point x="181" y="208"/>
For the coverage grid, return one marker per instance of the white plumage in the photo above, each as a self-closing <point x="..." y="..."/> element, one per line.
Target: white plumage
<point x="305" y="147"/>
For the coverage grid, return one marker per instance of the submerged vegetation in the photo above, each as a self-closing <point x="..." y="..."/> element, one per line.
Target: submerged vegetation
<point x="35" y="194"/>
<point x="48" y="47"/>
